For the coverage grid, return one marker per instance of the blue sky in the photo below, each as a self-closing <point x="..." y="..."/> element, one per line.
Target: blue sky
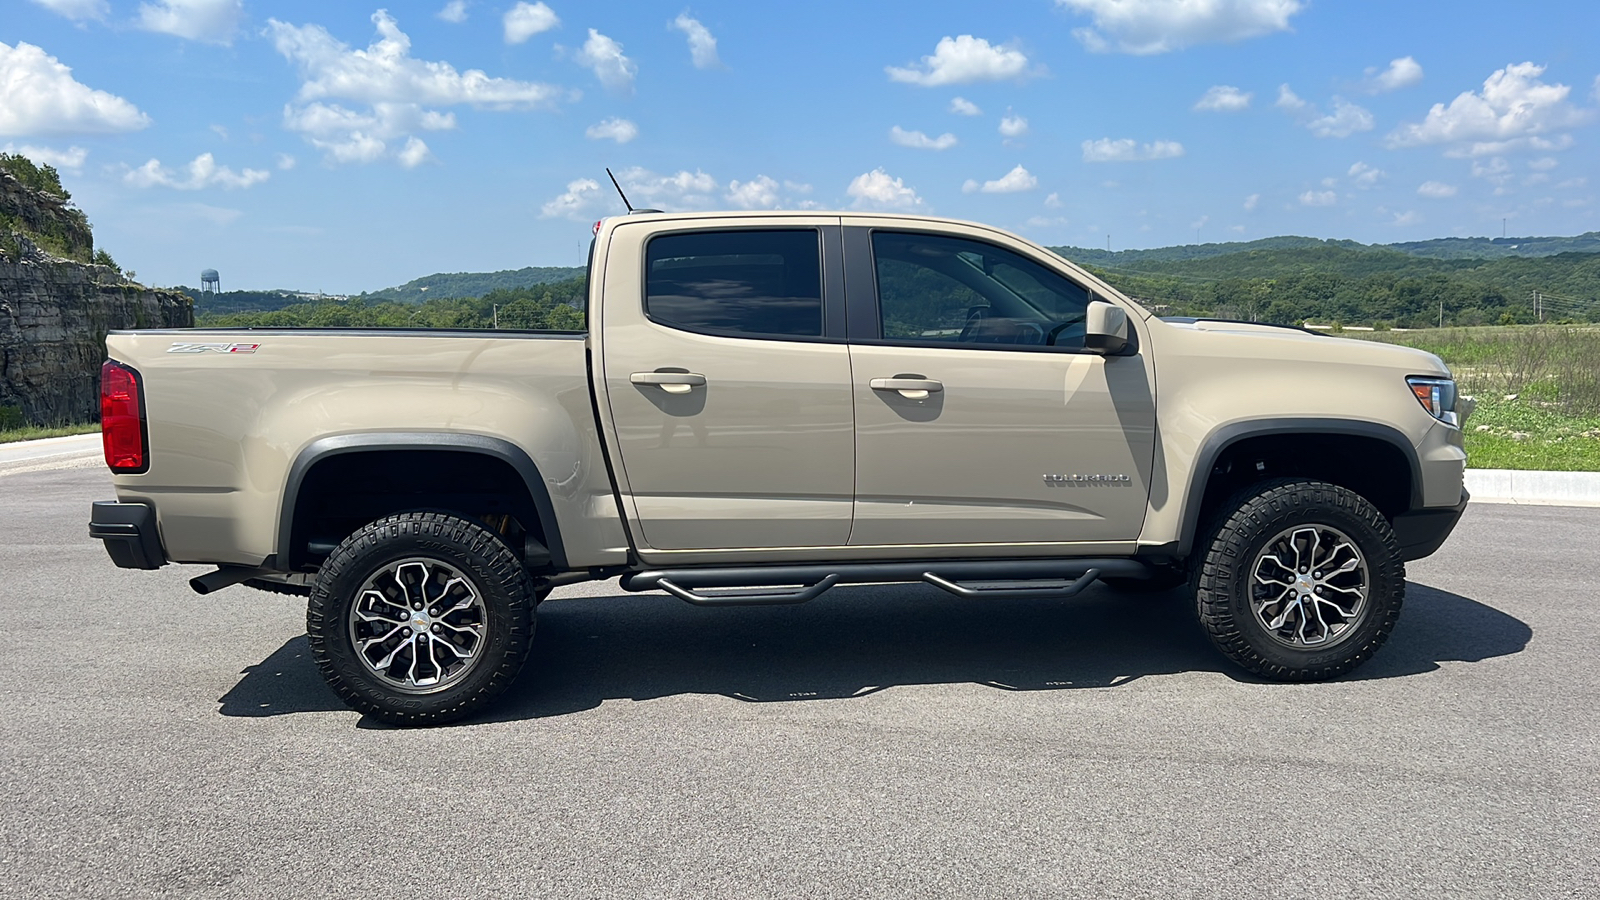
<point x="343" y="147"/>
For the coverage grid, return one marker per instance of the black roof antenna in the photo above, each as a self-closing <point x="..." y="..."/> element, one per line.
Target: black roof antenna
<point x="624" y="197"/>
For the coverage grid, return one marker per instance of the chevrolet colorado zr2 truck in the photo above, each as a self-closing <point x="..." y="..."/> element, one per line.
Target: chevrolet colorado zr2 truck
<point x="780" y="403"/>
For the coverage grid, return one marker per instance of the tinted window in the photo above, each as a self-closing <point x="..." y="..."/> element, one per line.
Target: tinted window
<point x="957" y="291"/>
<point x="737" y="282"/>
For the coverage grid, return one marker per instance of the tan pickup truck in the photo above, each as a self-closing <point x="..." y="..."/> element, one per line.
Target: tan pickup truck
<point x="764" y="406"/>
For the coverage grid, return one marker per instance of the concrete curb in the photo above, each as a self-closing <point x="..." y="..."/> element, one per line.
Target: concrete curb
<point x="1534" y="488"/>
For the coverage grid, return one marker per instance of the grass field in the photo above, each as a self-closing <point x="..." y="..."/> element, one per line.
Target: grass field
<point x="33" y="433"/>
<point x="1537" y="387"/>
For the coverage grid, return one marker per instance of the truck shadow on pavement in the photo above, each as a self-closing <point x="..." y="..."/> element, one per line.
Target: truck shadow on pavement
<point x="859" y="640"/>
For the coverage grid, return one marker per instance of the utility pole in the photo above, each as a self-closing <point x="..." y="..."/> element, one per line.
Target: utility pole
<point x="496" y="316"/>
<point x="1441" y="313"/>
<point x="1108" y="243"/>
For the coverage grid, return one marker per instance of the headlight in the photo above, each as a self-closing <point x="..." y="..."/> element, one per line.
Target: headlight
<point x="1437" y="396"/>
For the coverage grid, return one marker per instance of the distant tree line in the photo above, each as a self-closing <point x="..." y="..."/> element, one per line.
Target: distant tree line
<point x="1340" y="283"/>
<point x="546" y="307"/>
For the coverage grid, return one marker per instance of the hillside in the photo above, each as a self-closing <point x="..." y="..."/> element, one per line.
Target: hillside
<point x="1357" y="284"/>
<point x="1438" y="248"/>
<point x="475" y="284"/>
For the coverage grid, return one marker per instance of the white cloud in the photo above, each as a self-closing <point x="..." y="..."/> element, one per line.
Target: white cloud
<point x="1251" y="201"/>
<point x="525" y="20"/>
<point x="612" y="129"/>
<point x="1129" y="150"/>
<point x="39" y="96"/>
<point x="1018" y="179"/>
<point x="604" y="56"/>
<point x="921" y="141"/>
<point x="879" y="190"/>
<point x="572" y="204"/>
<point x="77" y="10"/>
<point x="1345" y="120"/>
<point x="454" y="12"/>
<point x="1514" y="109"/>
<point x="386" y="71"/>
<point x="1496" y="169"/>
<point x="1402" y="72"/>
<point x="211" y="21"/>
<point x="1053" y="201"/>
<point x="414" y="153"/>
<point x="1223" y="98"/>
<point x="1319" y="198"/>
<point x="285" y="162"/>
<point x="395" y="86"/>
<point x="962" y="60"/>
<point x="348" y="136"/>
<point x="1289" y="100"/>
<point x="1543" y="164"/>
<point x="682" y="190"/>
<point x="964" y="107"/>
<point x="1013" y="126"/>
<point x="70" y="158"/>
<point x="702" y="45"/>
<point x="760" y="192"/>
<point x="1364" y="176"/>
<point x="1409" y="217"/>
<point x="1158" y="26"/>
<point x="203" y="172"/>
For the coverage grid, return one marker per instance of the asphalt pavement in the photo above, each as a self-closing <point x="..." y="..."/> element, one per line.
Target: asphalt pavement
<point x="878" y="742"/>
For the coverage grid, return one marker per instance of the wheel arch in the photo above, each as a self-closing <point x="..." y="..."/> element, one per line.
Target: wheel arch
<point x="1395" y="470"/>
<point x="336" y="447"/>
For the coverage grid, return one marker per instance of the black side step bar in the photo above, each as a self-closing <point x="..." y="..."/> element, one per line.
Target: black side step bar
<point x="1078" y="574"/>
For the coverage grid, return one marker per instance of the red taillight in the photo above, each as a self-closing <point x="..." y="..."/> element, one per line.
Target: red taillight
<point x="121" y="418"/>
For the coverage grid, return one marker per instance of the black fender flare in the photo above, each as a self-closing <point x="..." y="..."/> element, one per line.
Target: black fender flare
<point x="1220" y="439"/>
<point x="483" y="445"/>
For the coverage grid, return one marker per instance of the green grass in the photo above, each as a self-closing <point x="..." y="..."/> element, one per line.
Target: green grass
<point x="35" y="432"/>
<point x="1531" y="434"/>
<point x="1553" y="374"/>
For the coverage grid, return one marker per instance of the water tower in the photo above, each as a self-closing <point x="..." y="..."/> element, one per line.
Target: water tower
<point x="210" y="281"/>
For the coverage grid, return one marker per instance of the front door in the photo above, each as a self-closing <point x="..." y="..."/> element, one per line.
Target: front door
<point x="728" y="388"/>
<point x="980" y="419"/>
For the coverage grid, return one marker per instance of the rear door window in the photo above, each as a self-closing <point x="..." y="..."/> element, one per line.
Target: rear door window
<point x="748" y="283"/>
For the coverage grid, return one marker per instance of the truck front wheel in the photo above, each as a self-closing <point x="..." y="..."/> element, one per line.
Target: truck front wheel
<point x="1301" y="581"/>
<point x="420" y="618"/>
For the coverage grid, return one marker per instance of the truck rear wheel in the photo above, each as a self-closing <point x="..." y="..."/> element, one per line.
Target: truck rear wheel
<point x="1301" y="581"/>
<point x="420" y="618"/>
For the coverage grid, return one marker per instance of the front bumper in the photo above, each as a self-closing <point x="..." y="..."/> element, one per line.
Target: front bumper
<point x="1422" y="531"/>
<point x="129" y="533"/>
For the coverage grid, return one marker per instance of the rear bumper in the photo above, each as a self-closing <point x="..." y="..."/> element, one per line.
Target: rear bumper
<point x="1422" y="531"/>
<point x="129" y="533"/>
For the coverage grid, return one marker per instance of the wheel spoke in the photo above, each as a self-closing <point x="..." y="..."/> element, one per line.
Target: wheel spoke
<point x="1299" y="606"/>
<point x="405" y="602"/>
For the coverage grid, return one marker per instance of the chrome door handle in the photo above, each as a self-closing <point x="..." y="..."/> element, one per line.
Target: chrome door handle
<point x="671" y="382"/>
<point x="909" y="388"/>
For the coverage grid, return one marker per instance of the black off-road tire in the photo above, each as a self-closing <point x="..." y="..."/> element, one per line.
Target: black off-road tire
<point x="1225" y="574"/>
<point x="507" y="601"/>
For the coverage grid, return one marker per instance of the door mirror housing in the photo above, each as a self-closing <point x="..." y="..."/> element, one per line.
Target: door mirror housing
<point x="1106" y="328"/>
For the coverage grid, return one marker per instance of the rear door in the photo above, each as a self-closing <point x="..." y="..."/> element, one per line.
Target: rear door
<point x="980" y="418"/>
<point x="728" y="382"/>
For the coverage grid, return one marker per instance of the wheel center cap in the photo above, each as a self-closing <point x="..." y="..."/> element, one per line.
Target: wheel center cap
<point x="420" y="622"/>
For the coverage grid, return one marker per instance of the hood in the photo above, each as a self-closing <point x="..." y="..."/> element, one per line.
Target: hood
<point x="1326" y="347"/>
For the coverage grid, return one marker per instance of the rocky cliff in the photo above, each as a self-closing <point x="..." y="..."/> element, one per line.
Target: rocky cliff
<point x="55" y="310"/>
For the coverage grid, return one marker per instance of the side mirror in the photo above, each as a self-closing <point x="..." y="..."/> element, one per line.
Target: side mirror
<point x="1105" y="328"/>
